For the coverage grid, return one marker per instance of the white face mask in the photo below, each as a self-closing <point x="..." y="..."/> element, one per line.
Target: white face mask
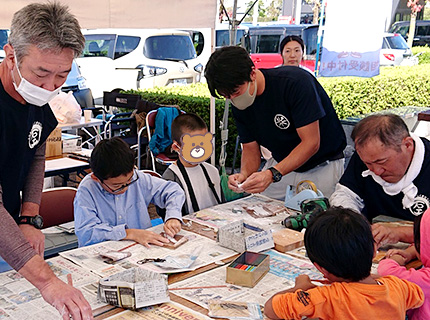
<point x="245" y="100"/>
<point x="32" y="93"/>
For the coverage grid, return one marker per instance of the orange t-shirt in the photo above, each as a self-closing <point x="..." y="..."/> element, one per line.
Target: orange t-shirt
<point x="342" y="300"/>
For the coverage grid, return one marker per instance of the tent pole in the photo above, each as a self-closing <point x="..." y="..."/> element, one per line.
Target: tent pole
<point x="320" y="30"/>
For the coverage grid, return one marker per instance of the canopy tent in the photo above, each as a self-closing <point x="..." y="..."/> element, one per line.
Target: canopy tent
<point x="130" y="13"/>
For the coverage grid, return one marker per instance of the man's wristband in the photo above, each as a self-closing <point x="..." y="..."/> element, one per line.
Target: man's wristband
<point x="276" y="175"/>
<point x="36" y="221"/>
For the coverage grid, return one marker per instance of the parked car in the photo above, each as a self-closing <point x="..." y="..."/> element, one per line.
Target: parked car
<point x="263" y="43"/>
<point x="394" y="50"/>
<point x="422" y="31"/>
<point x="222" y="35"/>
<point x="76" y="82"/>
<point x="4" y="35"/>
<point x="137" y="58"/>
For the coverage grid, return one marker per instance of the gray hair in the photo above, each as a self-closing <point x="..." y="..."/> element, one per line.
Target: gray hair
<point x="389" y="128"/>
<point x="48" y="26"/>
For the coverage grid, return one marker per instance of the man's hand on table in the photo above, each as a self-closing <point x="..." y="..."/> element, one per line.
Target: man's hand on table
<point x="35" y="237"/>
<point x="62" y="296"/>
<point x="172" y="227"/>
<point x="66" y="299"/>
<point x="255" y="183"/>
<point x="383" y="234"/>
<point x="234" y="180"/>
<point x="145" y="237"/>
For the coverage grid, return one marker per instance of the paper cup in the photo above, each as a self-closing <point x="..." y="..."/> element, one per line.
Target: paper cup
<point x="87" y="115"/>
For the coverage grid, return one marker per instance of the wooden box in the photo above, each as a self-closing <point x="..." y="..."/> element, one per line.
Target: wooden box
<point x="54" y="144"/>
<point x="248" y="269"/>
<point x="287" y="239"/>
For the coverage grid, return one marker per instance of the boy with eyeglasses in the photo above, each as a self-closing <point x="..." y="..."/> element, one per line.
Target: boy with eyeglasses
<point x="112" y="202"/>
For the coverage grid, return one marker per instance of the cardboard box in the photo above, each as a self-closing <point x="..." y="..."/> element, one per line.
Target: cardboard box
<point x="71" y="143"/>
<point x="239" y="236"/>
<point x="53" y="144"/>
<point x="248" y="269"/>
<point x="287" y="239"/>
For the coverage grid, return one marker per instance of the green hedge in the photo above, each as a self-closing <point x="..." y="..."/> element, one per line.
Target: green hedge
<point x="351" y="96"/>
<point x="425" y="54"/>
<point x="394" y="87"/>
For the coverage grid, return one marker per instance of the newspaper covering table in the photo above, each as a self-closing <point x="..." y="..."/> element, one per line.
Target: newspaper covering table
<point x="257" y="210"/>
<point x="170" y="311"/>
<point x="20" y="300"/>
<point x="283" y="270"/>
<point x="89" y="257"/>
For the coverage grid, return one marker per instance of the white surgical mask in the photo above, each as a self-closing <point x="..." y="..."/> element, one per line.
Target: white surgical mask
<point x="245" y="100"/>
<point x="32" y="93"/>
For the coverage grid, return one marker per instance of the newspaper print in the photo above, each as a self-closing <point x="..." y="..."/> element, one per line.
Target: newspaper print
<point x="90" y="257"/>
<point x="256" y="210"/>
<point x="170" y="311"/>
<point x="204" y="291"/>
<point x="20" y="300"/>
<point x="283" y="271"/>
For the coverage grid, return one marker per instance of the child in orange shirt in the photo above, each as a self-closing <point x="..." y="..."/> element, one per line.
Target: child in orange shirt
<point x="340" y="244"/>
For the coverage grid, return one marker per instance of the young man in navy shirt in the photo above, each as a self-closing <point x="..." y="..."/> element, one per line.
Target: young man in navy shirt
<point x="288" y="112"/>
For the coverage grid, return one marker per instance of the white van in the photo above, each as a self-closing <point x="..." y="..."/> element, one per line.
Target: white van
<point x="137" y="58"/>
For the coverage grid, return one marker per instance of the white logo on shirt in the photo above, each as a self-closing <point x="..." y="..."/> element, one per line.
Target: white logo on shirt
<point x="281" y="121"/>
<point x="421" y="204"/>
<point x="35" y="134"/>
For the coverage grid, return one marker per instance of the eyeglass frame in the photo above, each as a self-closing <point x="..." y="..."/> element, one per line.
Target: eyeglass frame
<point x="126" y="185"/>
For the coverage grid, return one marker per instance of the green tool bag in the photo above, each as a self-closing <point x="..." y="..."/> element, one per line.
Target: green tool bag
<point x="229" y="194"/>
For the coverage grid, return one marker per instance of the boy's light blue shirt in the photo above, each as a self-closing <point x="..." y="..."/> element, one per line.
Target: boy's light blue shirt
<point x="102" y="216"/>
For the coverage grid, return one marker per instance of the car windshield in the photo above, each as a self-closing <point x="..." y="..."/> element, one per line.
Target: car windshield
<point x="169" y="47"/>
<point x="268" y="43"/>
<point x="99" y="45"/>
<point x="403" y="30"/>
<point x="223" y="37"/>
<point x="396" y="42"/>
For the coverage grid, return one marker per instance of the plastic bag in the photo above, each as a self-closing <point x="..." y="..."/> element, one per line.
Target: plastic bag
<point x="228" y="193"/>
<point x="65" y="107"/>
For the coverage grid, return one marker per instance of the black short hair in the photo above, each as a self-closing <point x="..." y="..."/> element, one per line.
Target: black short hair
<point x="111" y="158"/>
<point x="186" y="123"/>
<point x="289" y="39"/>
<point x="227" y="69"/>
<point x="417" y="232"/>
<point x="340" y="240"/>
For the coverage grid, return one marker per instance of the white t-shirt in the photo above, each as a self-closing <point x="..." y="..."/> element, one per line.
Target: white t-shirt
<point x="204" y="195"/>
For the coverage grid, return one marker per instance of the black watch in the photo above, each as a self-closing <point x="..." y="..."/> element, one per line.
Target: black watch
<point x="35" y="221"/>
<point x="277" y="176"/>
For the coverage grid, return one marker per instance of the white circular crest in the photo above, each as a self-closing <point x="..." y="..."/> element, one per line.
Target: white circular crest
<point x="421" y="204"/>
<point x="35" y="134"/>
<point x="281" y="121"/>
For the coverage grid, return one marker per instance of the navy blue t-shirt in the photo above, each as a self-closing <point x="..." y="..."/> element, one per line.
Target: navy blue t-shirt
<point x="376" y="201"/>
<point x="292" y="99"/>
<point x="23" y="128"/>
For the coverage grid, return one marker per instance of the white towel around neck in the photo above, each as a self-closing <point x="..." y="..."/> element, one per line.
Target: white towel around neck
<point x="405" y="184"/>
